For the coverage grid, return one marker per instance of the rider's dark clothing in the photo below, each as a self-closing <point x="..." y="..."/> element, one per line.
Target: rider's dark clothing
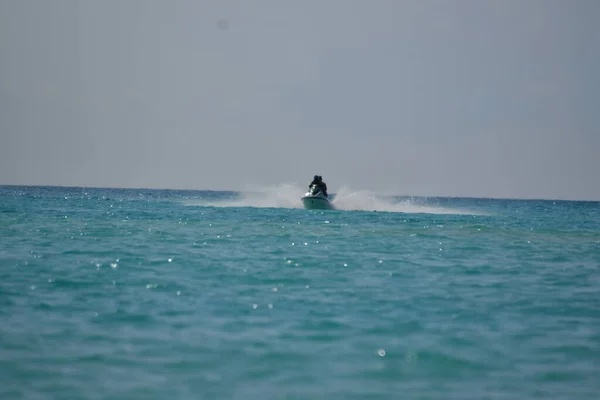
<point x="320" y="184"/>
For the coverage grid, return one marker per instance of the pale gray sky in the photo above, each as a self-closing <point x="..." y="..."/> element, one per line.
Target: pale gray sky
<point x="452" y="98"/>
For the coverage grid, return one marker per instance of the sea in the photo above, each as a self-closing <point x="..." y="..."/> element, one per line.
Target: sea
<point x="165" y="294"/>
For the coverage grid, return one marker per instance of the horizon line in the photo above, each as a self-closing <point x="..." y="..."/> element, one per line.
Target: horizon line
<point x="240" y="191"/>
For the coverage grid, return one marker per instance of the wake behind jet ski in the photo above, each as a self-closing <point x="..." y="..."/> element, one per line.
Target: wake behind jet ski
<point x="316" y="197"/>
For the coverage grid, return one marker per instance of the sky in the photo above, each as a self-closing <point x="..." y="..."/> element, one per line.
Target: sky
<point x="427" y="97"/>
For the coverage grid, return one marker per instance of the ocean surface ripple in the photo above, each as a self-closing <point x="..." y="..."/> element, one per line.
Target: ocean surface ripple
<point x="154" y="294"/>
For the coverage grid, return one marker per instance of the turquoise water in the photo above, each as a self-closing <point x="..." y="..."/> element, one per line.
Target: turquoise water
<point x="140" y="294"/>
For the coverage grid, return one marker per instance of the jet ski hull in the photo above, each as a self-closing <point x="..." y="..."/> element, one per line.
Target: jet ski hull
<point x="316" y="203"/>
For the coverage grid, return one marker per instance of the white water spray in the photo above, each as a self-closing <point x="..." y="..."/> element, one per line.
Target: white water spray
<point x="277" y="196"/>
<point x="364" y="200"/>
<point x="288" y="196"/>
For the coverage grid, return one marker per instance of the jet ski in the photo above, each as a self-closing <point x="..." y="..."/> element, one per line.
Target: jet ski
<point x="314" y="199"/>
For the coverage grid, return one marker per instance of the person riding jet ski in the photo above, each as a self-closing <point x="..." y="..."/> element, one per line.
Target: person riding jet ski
<point x="318" y="180"/>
